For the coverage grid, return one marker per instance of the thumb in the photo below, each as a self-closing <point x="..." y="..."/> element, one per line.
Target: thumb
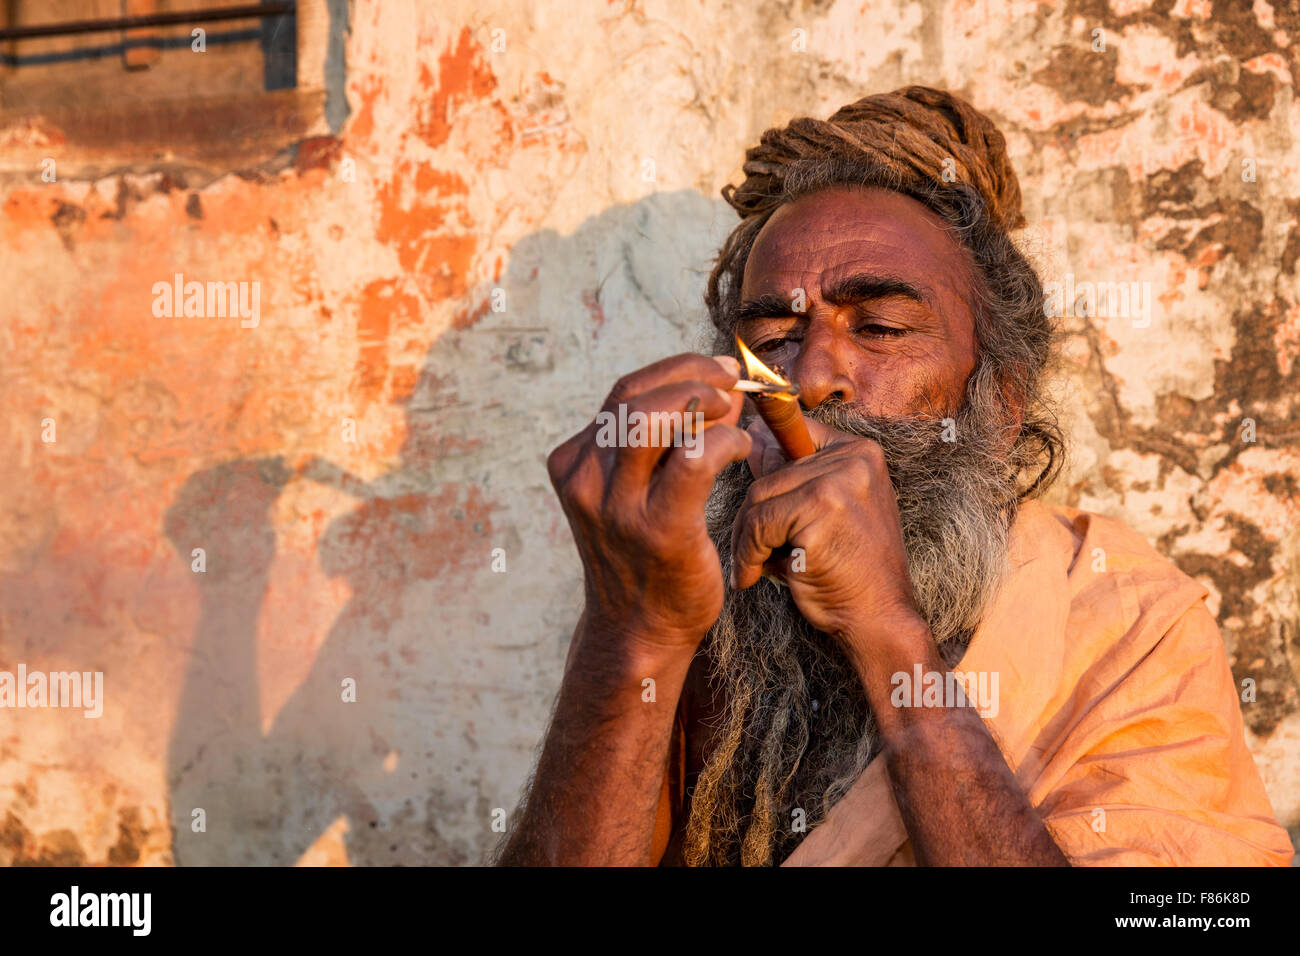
<point x="824" y="436"/>
<point x="765" y="455"/>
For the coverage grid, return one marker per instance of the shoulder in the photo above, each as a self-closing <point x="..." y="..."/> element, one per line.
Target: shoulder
<point x="1110" y="568"/>
<point x="1107" y="543"/>
<point x="1089" y="598"/>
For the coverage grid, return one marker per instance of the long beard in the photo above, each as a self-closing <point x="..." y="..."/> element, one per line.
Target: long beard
<point x="795" y="729"/>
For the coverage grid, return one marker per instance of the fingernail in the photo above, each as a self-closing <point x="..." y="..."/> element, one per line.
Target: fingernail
<point x="730" y="364"/>
<point x="694" y="403"/>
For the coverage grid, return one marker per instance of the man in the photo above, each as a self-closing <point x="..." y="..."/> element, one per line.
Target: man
<point x="761" y="674"/>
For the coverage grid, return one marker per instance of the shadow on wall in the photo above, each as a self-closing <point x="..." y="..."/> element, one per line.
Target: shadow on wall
<point x="455" y="667"/>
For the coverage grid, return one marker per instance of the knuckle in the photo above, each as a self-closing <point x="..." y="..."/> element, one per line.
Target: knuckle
<point x="872" y="453"/>
<point x="621" y="392"/>
<point x="628" y="387"/>
<point x="752" y="520"/>
<point x="557" y="463"/>
<point x="565" y="457"/>
<point x="834" y="495"/>
<point x="861" y="469"/>
<point x="757" y="492"/>
<point x="739" y="529"/>
<point x="565" y="469"/>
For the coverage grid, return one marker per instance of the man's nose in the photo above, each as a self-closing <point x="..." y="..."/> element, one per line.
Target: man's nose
<point x="823" y="368"/>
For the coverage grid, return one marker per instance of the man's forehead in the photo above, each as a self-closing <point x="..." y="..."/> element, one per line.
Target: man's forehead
<point x="822" y="238"/>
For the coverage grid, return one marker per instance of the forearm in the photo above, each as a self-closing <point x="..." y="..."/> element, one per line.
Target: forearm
<point x="596" y="790"/>
<point x="958" y="799"/>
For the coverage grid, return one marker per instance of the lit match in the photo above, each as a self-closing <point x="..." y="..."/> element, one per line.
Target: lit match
<point x="765" y="388"/>
<point x="777" y="401"/>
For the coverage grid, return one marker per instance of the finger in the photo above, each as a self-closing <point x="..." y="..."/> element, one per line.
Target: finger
<point x="664" y="415"/>
<point x="766" y="455"/>
<point x="720" y="371"/>
<point x="761" y="529"/>
<point x="824" y="436"/>
<point x="577" y="474"/>
<point x="565" y="455"/>
<point x="795" y="475"/>
<point x="687" y="476"/>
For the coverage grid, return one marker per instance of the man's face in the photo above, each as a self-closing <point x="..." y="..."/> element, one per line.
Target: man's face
<point x="883" y="351"/>
<point x="887" y="324"/>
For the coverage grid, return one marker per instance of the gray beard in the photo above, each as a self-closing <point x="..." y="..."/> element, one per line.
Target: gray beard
<point x="795" y="730"/>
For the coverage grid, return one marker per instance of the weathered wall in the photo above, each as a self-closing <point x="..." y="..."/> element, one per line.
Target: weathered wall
<point x="462" y="169"/>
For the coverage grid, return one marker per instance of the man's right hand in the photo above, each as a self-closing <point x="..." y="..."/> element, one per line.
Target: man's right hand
<point x="637" y="514"/>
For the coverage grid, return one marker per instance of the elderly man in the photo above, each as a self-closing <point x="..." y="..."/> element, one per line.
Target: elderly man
<point x="888" y="651"/>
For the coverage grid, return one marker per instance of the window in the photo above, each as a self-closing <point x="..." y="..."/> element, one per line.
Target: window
<point x="212" y="83"/>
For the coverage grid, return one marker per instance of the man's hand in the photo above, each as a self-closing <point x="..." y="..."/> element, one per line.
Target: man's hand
<point x="654" y="587"/>
<point x="958" y="799"/>
<point x="637" y="514"/>
<point x="849" y="575"/>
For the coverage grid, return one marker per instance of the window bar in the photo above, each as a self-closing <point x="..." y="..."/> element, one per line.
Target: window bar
<point x="139" y="46"/>
<point x="175" y="18"/>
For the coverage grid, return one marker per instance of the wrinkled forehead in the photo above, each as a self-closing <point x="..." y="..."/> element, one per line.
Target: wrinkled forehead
<point x="821" y="238"/>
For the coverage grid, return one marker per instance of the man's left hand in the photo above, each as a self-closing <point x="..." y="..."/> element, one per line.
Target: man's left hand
<point x="828" y="526"/>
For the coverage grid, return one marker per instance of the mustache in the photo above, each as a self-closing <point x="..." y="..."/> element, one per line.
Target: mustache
<point x="938" y="464"/>
<point x="962" y="439"/>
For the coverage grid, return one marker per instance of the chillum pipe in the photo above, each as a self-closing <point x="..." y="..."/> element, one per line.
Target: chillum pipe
<point x="785" y="418"/>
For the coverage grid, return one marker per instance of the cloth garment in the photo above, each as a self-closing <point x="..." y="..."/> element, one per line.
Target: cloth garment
<point x="1115" y="695"/>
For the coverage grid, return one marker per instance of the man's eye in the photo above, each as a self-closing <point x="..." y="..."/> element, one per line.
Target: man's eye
<point x="886" y="330"/>
<point x="772" y="345"/>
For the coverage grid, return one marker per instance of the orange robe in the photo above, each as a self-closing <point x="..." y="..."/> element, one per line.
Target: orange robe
<point x="1117" y="712"/>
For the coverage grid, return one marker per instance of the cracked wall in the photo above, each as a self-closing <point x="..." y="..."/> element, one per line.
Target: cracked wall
<point x="488" y="148"/>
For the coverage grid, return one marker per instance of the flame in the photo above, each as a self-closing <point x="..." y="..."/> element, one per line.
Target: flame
<point x="754" y="367"/>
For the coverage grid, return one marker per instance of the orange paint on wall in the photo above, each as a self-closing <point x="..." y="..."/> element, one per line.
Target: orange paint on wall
<point x="30" y="208"/>
<point x="440" y="262"/>
<point x="462" y="75"/>
<point x="372" y="335"/>
<point x="428" y="179"/>
<point x="368" y="91"/>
